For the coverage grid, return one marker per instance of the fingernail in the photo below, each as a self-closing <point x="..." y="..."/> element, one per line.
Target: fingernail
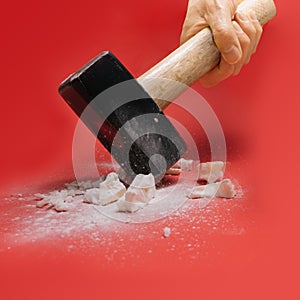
<point x="232" y="55"/>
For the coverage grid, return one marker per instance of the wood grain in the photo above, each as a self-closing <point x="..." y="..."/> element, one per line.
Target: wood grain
<point x="194" y="58"/>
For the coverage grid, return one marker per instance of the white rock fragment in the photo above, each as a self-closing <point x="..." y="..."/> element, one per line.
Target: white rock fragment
<point x="186" y="164"/>
<point x="142" y="189"/>
<point x="59" y="200"/>
<point x="84" y="185"/>
<point x="167" y="232"/>
<point x="203" y="191"/>
<point x="110" y="190"/>
<point x="92" y="196"/>
<point x="183" y="164"/>
<point x="222" y="189"/>
<point x="211" y="171"/>
<point x="125" y="206"/>
<point x="226" y="189"/>
<point x="139" y="193"/>
<point x="61" y="205"/>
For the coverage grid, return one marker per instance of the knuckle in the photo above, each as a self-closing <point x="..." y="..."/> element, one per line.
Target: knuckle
<point x="222" y="30"/>
<point x="259" y="30"/>
<point x="224" y="37"/>
<point x="245" y="40"/>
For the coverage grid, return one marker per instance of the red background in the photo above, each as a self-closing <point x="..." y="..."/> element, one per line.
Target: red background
<point x="42" y="42"/>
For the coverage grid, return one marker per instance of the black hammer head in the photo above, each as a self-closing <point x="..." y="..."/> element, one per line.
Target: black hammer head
<point x="123" y="116"/>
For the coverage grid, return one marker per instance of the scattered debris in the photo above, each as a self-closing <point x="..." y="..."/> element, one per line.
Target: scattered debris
<point x="109" y="191"/>
<point x="139" y="193"/>
<point x="167" y="232"/>
<point x="222" y="189"/>
<point x="211" y="171"/>
<point x="59" y="200"/>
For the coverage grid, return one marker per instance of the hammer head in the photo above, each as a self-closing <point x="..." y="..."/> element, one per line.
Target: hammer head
<point x="120" y="113"/>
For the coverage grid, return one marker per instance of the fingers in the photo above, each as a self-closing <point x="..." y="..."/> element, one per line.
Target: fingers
<point x="251" y="28"/>
<point x="194" y="21"/>
<point x="219" y="18"/>
<point x="236" y="40"/>
<point x="258" y="29"/>
<point x="245" y="46"/>
<point x="248" y="32"/>
<point x="218" y="74"/>
<point x="190" y="31"/>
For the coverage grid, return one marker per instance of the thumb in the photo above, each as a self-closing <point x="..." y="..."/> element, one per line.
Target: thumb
<point x="226" y="39"/>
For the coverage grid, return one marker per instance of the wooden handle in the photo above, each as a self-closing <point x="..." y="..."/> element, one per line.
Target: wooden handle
<point x="194" y="58"/>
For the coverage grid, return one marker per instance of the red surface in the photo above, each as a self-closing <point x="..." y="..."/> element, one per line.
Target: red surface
<point x="259" y="112"/>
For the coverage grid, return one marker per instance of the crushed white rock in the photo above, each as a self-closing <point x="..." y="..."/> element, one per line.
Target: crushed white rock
<point x="142" y="189"/>
<point x="211" y="171"/>
<point x="125" y="206"/>
<point x="183" y="164"/>
<point x="139" y="193"/>
<point x="167" y="232"/>
<point x="110" y="190"/>
<point x="59" y="200"/>
<point x="84" y="185"/>
<point x="222" y="189"/>
<point x="92" y="196"/>
<point x="226" y="189"/>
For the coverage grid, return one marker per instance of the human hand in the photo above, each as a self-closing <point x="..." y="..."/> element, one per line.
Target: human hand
<point x="236" y="35"/>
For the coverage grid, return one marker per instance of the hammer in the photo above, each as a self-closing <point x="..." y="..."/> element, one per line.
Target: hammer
<point x="120" y="112"/>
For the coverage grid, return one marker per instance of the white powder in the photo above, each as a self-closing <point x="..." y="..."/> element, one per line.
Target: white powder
<point x="87" y="226"/>
<point x="86" y="229"/>
<point x="141" y="191"/>
<point x="58" y="200"/>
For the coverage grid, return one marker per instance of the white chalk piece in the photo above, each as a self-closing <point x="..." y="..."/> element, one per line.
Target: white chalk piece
<point x="110" y="190"/>
<point x="222" y="189"/>
<point x="58" y="200"/>
<point x="167" y="232"/>
<point x="183" y="164"/>
<point x="211" y="171"/>
<point x="139" y="193"/>
<point x="125" y="206"/>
